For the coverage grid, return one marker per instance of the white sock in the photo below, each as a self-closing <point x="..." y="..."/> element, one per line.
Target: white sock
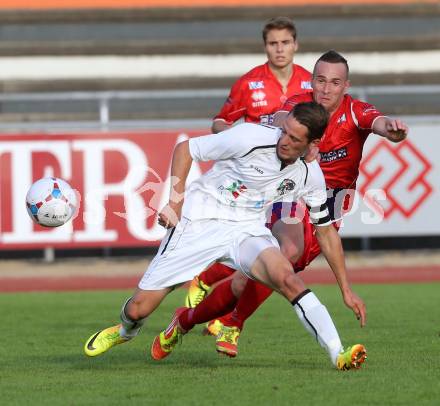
<point x="129" y="328"/>
<point x="317" y="321"/>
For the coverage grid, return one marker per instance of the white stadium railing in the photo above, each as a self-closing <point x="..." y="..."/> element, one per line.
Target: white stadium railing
<point x="104" y="100"/>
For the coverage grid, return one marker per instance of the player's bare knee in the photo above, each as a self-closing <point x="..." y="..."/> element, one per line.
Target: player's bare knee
<point x="287" y="282"/>
<point x="278" y="272"/>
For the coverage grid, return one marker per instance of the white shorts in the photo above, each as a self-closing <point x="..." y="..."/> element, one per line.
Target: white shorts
<point x="191" y="247"/>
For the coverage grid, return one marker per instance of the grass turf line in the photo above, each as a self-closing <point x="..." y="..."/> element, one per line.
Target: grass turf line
<point x="278" y="363"/>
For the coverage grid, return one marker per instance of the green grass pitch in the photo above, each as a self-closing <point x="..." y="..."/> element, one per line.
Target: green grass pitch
<point x="42" y="362"/>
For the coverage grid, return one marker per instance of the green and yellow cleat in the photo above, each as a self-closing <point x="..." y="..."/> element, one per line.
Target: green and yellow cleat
<point x="103" y="340"/>
<point x="165" y="342"/>
<point x="227" y="341"/>
<point x="212" y="328"/>
<point x="196" y="292"/>
<point x="352" y="358"/>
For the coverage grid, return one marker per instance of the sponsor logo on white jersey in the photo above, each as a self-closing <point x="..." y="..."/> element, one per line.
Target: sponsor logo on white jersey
<point x="236" y="188"/>
<point x="256" y="85"/>
<point x="305" y="84"/>
<point x="259" y="170"/>
<point x="287" y="185"/>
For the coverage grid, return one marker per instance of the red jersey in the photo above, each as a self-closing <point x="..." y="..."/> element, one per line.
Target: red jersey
<point x="343" y="140"/>
<point x="258" y="94"/>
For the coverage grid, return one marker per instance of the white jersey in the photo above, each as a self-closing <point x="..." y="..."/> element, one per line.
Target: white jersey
<point x="248" y="177"/>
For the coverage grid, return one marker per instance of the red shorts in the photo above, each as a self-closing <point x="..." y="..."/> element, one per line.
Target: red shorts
<point x="311" y="245"/>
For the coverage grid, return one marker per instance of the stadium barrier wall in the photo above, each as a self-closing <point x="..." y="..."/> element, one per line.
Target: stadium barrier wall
<point x="122" y="179"/>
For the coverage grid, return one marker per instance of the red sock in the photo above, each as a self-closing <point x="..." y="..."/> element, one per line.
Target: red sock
<point x="254" y="294"/>
<point x="219" y="302"/>
<point x="215" y="273"/>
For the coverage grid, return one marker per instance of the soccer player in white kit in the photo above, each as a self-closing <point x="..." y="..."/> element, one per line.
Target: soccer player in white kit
<point x="222" y="218"/>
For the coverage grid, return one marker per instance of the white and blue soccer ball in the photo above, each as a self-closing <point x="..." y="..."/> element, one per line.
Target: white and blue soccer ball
<point x="51" y="202"/>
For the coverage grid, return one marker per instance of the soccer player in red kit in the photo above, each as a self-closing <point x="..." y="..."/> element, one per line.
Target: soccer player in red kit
<point x="254" y="98"/>
<point x="351" y="121"/>
<point x="262" y="91"/>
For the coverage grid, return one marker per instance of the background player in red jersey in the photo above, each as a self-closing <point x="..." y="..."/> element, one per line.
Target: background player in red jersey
<point x="255" y="97"/>
<point x="262" y="91"/>
<point x="351" y="121"/>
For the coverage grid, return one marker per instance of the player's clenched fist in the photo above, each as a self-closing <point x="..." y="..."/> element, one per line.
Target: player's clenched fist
<point x="169" y="216"/>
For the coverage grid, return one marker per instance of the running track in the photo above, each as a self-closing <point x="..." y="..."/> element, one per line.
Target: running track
<point x="392" y="275"/>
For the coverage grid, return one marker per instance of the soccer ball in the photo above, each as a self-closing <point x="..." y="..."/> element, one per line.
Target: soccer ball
<point x="51" y="202"/>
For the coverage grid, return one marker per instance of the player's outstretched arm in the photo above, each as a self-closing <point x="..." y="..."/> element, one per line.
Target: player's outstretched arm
<point x="331" y="247"/>
<point x="393" y="129"/>
<point x="169" y="216"/>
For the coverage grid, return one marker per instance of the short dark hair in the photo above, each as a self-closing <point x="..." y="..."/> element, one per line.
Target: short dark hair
<point x="279" y="23"/>
<point x="313" y="116"/>
<point x="332" y="57"/>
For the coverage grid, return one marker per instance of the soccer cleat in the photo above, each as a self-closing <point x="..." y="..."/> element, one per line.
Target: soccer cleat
<point x="196" y="292"/>
<point x="353" y="357"/>
<point x="103" y="340"/>
<point x="165" y="342"/>
<point x="227" y="341"/>
<point x="212" y="328"/>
